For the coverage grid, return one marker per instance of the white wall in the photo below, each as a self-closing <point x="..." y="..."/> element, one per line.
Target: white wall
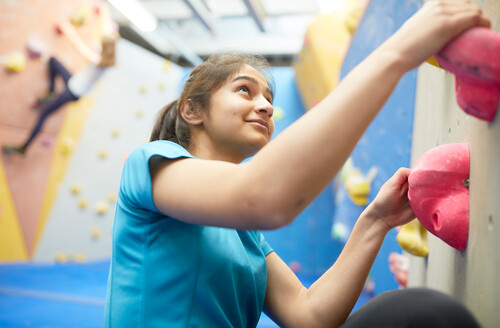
<point x="128" y="98"/>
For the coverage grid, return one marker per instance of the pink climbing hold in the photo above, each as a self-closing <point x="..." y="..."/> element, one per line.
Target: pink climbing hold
<point x="439" y="194"/>
<point x="399" y="265"/>
<point x="58" y="29"/>
<point x="474" y="58"/>
<point x="35" y="47"/>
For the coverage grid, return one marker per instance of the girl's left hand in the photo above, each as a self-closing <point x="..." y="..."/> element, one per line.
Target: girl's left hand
<point x="391" y="204"/>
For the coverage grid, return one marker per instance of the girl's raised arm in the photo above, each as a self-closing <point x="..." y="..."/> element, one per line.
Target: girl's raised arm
<point x="272" y="188"/>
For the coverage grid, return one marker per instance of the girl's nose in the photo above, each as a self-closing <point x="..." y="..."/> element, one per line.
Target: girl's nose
<point x="265" y="107"/>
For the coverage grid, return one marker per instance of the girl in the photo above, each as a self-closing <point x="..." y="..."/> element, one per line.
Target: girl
<point x="186" y="247"/>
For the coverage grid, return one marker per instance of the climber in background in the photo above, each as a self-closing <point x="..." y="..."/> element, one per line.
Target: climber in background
<point x="80" y="83"/>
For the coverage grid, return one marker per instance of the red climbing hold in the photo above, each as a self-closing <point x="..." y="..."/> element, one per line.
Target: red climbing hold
<point x="439" y="194"/>
<point x="474" y="58"/>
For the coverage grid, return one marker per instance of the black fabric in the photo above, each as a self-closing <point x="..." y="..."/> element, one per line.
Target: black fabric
<point x="412" y="307"/>
<point x="57" y="69"/>
<point x="65" y="97"/>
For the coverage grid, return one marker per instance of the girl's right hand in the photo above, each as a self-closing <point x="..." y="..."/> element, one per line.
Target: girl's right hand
<point x="432" y="27"/>
<point x="391" y="206"/>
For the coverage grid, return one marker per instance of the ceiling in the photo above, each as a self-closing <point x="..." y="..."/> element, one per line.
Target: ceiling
<point x="186" y="31"/>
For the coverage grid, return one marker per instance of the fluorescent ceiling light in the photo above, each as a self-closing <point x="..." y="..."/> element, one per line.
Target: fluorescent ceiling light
<point x="136" y="13"/>
<point x="329" y="6"/>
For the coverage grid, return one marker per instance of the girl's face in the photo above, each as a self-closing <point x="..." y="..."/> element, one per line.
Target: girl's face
<point x="240" y="119"/>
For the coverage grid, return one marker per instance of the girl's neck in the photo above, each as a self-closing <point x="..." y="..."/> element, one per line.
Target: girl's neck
<point x="210" y="151"/>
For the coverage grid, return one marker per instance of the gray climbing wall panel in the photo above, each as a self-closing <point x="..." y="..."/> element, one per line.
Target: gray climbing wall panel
<point x="472" y="275"/>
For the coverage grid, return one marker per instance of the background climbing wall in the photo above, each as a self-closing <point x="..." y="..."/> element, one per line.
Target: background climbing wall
<point x="472" y="275"/>
<point x="306" y="244"/>
<point x="66" y="210"/>
<point x="125" y="105"/>
<point x="327" y="39"/>
<point x="386" y="144"/>
<point x="60" y="194"/>
<point x="20" y="209"/>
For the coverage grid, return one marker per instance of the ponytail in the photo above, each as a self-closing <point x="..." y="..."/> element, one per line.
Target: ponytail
<point x="169" y="126"/>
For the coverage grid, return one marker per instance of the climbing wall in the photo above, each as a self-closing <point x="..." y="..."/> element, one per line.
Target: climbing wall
<point x="23" y="180"/>
<point x="386" y="144"/>
<point x="327" y="39"/>
<point x="125" y="105"/>
<point x="57" y="200"/>
<point x="305" y="245"/>
<point x="471" y="275"/>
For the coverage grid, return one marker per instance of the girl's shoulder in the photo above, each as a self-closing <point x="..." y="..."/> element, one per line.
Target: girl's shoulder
<point x="162" y="148"/>
<point x="136" y="184"/>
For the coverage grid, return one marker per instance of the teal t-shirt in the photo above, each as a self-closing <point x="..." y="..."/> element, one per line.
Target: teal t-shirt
<point x="168" y="273"/>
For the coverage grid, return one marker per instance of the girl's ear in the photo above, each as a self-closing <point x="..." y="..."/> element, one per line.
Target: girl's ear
<point x="190" y="113"/>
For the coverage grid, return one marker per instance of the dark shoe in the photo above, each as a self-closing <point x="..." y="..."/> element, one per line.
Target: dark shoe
<point x="44" y="100"/>
<point x="13" y="149"/>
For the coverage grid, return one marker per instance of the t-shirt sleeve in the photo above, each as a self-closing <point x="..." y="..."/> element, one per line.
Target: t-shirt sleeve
<point x="264" y="245"/>
<point x="136" y="185"/>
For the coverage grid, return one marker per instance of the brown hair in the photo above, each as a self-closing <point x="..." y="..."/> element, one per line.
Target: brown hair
<point x="203" y="81"/>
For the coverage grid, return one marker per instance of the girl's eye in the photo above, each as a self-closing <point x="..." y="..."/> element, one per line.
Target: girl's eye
<point x="243" y="89"/>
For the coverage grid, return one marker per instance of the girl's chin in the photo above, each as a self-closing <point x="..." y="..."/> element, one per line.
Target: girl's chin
<point x="254" y="148"/>
<point x="260" y="144"/>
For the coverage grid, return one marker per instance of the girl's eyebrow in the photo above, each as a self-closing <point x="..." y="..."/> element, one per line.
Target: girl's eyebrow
<point x="251" y="80"/>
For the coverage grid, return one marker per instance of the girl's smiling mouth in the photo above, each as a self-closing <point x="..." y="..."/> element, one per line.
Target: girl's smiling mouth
<point x="260" y="123"/>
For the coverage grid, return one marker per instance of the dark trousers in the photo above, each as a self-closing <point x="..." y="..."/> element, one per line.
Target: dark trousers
<point x="55" y="69"/>
<point x="412" y="307"/>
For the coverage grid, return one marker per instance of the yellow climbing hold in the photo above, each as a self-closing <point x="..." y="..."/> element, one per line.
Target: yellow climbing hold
<point x="161" y="86"/>
<point x="166" y="64"/>
<point x="358" y="188"/>
<point x="352" y="20"/>
<point x="103" y="154"/>
<point x="66" y="145"/>
<point x="139" y="113"/>
<point x="278" y="114"/>
<point x="116" y="132"/>
<point x="15" y="62"/>
<point x="412" y="237"/>
<point x="143" y="89"/>
<point x="357" y="185"/>
<point x="95" y="233"/>
<point x="81" y="258"/>
<point x="82" y="203"/>
<point x="101" y="208"/>
<point x="60" y="257"/>
<point x="112" y="197"/>
<point x="76" y="188"/>
<point x="81" y="16"/>
<point x="433" y="62"/>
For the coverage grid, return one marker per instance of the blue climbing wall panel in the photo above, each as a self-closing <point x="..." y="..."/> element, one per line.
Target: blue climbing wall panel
<point x="386" y="144"/>
<point x="306" y="244"/>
